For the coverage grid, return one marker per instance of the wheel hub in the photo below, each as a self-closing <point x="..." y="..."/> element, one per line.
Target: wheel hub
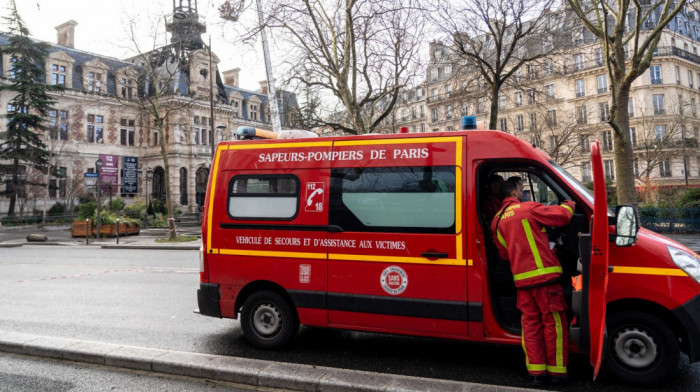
<point x="267" y="320"/>
<point x="635" y="348"/>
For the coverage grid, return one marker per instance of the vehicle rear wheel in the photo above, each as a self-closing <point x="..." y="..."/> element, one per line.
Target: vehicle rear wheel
<point x="642" y="349"/>
<point x="267" y="320"/>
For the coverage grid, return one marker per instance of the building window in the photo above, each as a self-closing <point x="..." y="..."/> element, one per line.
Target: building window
<point x="421" y="110"/>
<point x="630" y="107"/>
<point x="95" y="127"/>
<point x="665" y="168"/>
<point x="94" y="82"/>
<point x="531" y="96"/>
<point x="549" y="91"/>
<point x="127" y="132"/>
<point x="660" y="133"/>
<point x="448" y="112"/>
<point x="58" y="124"/>
<point x="156" y="137"/>
<point x="586" y="172"/>
<point x="607" y="141"/>
<point x="518" y="98"/>
<point x="599" y="59"/>
<point x="604" y="109"/>
<point x="235" y="109"/>
<point x="533" y="121"/>
<point x="658" y="100"/>
<point x="581" y="115"/>
<point x="501" y="102"/>
<point x="465" y="109"/>
<point x="519" y="123"/>
<point x="633" y="137"/>
<point x="690" y="79"/>
<point x="635" y="167"/>
<point x="503" y="124"/>
<point x="655" y="73"/>
<point x="678" y="75"/>
<point x="448" y="90"/>
<point x="435" y="94"/>
<point x="548" y="67"/>
<point x="580" y="88"/>
<point x="434" y="115"/>
<point x="57" y="183"/>
<point x="552" y="117"/>
<point x="609" y="166"/>
<point x="585" y="144"/>
<point x="552" y="143"/>
<point x="58" y="74"/>
<point x="127" y="88"/>
<point x="253" y="112"/>
<point x="422" y="127"/>
<point x="578" y="62"/>
<point x="602" y="81"/>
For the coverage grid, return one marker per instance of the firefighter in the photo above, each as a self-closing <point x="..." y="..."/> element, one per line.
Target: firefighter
<point x="520" y="236"/>
<point x="492" y="202"/>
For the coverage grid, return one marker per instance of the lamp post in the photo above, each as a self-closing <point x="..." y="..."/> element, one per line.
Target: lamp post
<point x="98" y="167"/>
<point x="149" y="177"/>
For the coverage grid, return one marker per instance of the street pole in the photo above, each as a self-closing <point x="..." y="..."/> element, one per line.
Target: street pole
<point x="211" y="103"/>
<point x="685" y="158"/>
<point x="272" y="92"/>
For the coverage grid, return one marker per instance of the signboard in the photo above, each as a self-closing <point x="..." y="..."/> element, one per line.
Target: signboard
<point x="130" y="174"/>
<point x="109" y="174"/>
<point x="90" y="179"/>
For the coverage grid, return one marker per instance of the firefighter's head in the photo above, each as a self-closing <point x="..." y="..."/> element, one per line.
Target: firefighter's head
<point x="512" y="187"/>
<point x="494" y="183"/>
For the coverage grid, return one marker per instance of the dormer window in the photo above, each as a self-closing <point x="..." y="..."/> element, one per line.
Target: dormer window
<point x="58" y="74"/>
<point x="254" y="112"/>
<point x="94" y="82"/>
<point x="127" y="88"/>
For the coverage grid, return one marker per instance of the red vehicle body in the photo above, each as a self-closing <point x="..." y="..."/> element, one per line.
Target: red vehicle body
<point x="384" y="233"/>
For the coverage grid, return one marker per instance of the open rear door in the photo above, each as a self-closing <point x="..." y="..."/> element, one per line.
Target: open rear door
<point x="598" y="280"/>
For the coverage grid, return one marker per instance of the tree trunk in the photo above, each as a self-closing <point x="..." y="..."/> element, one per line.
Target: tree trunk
<point x="624" y="153"/>
<point x="166" y="167"/>
<point x="493" y="113"/>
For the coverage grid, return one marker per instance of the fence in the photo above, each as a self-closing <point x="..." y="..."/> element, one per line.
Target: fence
<point x="670" y="220"/>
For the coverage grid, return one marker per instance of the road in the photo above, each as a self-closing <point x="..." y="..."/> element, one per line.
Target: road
<point x="146" y="298"/>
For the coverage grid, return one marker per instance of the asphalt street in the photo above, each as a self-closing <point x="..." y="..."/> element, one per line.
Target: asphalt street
<point x="145" y="298"/>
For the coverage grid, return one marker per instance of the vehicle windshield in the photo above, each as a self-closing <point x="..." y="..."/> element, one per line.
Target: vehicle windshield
<point x="573" y="182"/>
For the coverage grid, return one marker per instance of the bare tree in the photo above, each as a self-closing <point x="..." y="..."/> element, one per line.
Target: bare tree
<point x="157" y="70"/>
<point x="361" y="51"/>
<point x="496" y="38"/>
<point x="654" y="143"/>
<point x="629" y="38"/>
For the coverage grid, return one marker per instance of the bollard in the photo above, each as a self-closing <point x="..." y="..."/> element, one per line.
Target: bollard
<point x="87" y="231"/>
<point x="117" y="231"/>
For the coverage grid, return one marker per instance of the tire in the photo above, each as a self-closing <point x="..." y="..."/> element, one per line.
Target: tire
<point x="641" y="349"/>
<point x="267" y="320"/>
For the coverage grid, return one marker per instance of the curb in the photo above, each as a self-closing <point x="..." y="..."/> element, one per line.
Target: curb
<point x="251" y="372"/>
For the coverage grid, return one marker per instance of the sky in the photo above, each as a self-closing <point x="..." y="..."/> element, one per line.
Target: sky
<point x="101" y="29"/>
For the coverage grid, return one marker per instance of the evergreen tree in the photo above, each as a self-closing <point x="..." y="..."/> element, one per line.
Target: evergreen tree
<point x="22" y="143"/>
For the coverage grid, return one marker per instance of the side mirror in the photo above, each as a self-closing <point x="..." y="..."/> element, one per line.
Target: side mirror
<point x="627" y="226"/>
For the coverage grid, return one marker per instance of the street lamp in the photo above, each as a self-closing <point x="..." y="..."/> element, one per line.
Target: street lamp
<point x="98" y="167"/>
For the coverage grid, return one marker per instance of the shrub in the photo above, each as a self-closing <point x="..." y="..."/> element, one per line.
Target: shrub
<point x="58" y="209"/>
<point x="117" y="204"/>
<point x="87" y="210"/>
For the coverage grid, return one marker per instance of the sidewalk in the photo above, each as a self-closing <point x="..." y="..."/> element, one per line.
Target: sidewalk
<point x="265" y="375"/>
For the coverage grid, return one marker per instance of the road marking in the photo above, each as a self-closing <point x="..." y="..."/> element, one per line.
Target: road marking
<point x="139" y="269"/>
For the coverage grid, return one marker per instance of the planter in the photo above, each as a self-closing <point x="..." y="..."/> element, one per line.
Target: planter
<point x="79" y="229"/>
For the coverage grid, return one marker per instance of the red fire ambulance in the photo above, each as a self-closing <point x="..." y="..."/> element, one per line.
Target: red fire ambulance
<point x="386" y="233"/>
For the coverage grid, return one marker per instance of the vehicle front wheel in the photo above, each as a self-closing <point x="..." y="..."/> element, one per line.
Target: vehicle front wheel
<point x="642" y="349"/>
<point x="267" y="320"/>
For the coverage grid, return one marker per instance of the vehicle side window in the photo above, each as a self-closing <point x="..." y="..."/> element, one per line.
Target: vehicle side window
<point x="270" y="197"/>
<point x="394" y="199"/>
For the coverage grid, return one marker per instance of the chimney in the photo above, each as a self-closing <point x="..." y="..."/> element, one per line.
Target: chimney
<point x="231" y="77"/>
<point x="263" y="87"/>
<point x="65" y="34"/>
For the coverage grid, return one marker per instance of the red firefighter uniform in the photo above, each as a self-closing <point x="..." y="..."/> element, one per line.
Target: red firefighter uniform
<point x="521" y="237"/>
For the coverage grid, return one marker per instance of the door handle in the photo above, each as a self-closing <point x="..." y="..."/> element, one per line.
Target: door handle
<point x="434" y="255"/>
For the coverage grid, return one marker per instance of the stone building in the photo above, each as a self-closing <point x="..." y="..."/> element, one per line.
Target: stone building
<point x="101" y="113"/>
<point x="561" y="105"/>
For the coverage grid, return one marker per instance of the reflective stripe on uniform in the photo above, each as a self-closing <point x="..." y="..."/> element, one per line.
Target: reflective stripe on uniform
<point x="533" y="245"/>
<point x="556" y="369"/>
<point x="568" y="208"/>
<point x="560" y="344"/>
<point x="537" y="272"/>
<point x="532" y="367"/>
<point x="501" y="239"/>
